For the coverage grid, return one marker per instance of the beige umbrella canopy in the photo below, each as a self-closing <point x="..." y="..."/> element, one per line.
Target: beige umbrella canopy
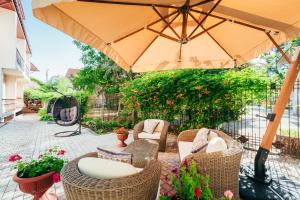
<point x="152" y="35"/>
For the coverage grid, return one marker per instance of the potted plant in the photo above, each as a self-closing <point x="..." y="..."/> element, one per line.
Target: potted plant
<point x="122" y="135"/>
<point x="36" y="176"/>
<point x="190" y="185"/>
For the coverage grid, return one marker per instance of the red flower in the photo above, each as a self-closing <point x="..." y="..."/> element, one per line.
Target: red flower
<point x="197" y="192"/>
<point x="169" y="102"/>
<point x="175" y="170"/>
<point x="56" y="177"/>
<point x="61" y="152"/>
<point x="14" y="157"/>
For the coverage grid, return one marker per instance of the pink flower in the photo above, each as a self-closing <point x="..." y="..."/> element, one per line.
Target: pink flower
<point x="14" y="157"/>
<point x="185" y="163"/>
<point x="197" y="192"/>
<point x="228" y="194"/>
<point x="56" y="177"/>
<point x="50" y="150"/>
<point x="61" y="152"/>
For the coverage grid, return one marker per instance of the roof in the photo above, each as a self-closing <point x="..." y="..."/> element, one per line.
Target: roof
<point x="33" y="68"/>
<point x="71" y="72"/>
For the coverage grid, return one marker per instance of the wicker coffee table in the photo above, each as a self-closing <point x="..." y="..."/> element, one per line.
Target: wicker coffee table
<point x="142" y="150"/>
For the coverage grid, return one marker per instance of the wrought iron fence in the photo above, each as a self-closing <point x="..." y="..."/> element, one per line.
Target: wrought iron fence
<point x="248" y="125"/>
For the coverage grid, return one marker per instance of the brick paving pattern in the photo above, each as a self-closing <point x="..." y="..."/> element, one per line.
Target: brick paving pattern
<point x="29" y="137"/>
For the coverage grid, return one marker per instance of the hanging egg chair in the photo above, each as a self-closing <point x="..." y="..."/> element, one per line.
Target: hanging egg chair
<point x="66" y="112"/>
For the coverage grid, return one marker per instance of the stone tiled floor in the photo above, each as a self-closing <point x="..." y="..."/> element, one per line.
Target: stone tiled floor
<point x="28" y="136"/>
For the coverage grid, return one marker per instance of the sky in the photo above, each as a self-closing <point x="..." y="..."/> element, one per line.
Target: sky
<point x="51" y="49"/>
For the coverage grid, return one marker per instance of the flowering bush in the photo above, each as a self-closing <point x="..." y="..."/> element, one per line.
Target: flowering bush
<point x="121" y="130"/>
<point x="190" y="185"/>
<point x="203" y="95"/>
<point x="50" y="160"/>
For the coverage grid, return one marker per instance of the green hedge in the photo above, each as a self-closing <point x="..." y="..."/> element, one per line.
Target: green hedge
<point x="210" y="96"/>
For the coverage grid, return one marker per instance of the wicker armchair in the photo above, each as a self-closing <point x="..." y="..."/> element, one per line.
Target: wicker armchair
<point x="163" y="129"/>
<point x="143" y="185"/>
<point x="222" y="167"/>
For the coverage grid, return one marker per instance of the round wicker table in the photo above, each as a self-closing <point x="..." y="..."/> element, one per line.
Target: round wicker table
<point x="143" y="150"/>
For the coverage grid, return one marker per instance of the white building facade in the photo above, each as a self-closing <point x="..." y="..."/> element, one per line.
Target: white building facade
<point x="15" y="54"/>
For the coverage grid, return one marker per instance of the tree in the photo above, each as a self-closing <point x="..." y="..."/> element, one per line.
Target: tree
<point x="100" y="73"/>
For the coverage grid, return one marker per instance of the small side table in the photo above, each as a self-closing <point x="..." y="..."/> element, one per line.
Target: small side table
<point x="142" y="150"/>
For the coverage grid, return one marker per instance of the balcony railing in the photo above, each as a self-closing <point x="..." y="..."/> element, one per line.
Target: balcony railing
<point x="21" y="64"/>
<point x="10" y="106"/>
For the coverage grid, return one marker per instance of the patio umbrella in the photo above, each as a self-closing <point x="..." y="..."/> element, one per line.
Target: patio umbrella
<point x="153" y="35"/>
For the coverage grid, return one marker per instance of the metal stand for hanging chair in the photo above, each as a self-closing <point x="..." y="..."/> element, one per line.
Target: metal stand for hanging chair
<point x="66" y="112"/>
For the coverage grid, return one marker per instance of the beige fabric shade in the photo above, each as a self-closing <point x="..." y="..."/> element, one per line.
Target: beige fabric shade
<point x="152" y="35"/>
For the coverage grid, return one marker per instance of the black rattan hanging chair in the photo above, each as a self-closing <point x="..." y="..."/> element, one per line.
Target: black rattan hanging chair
<point x="66" y="112"/>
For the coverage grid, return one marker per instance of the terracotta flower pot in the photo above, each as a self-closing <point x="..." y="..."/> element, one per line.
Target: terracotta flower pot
<point x="35" y="186"/>
<point x="122" y="138"/>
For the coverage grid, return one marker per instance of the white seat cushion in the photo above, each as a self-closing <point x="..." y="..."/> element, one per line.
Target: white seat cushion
<point x="105" y="169"/>
<point x="150" y="125"/>
<point x="216" y="144"/>
<point x="184" y="149"/>
<point x="200" y="141"/>
<point x="153" y="136"/>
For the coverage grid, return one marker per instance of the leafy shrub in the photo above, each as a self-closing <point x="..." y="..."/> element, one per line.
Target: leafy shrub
<point x="49" y="161"/>
<point x="208" y="97"/>
<point x="190" y="185"/>
<point x="44" y="115"/>
<point x="102" y="127"/>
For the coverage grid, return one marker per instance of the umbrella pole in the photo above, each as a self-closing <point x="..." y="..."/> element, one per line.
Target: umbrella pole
<point x="279" y="108"/>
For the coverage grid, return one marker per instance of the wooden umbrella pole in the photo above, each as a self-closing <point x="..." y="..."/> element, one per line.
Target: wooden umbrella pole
<point x="279" y="108"/>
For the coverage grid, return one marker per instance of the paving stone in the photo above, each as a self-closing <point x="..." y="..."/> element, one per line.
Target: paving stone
<point x="29" y="137"/>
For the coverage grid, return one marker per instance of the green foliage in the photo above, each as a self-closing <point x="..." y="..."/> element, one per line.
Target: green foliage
<point x="205" y="94"/>
<point x="44" y="115"/>
<point x="190" y="185"/>
<point x="47" y="162"/>
<point x="187" y="180"/>
<point x="100" y="73"/>
<point x="101" y="127"/>
<point x="53" y="89"/>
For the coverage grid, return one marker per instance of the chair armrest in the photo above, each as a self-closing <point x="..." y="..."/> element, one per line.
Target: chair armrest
<point x="137" y="129"/>
<point x="187" y="135"/>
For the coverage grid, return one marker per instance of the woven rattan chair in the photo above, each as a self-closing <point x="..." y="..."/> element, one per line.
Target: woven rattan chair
<point x="143" y="185"/>
<point x="163" y="129"/>
<point x="222" y="167"/>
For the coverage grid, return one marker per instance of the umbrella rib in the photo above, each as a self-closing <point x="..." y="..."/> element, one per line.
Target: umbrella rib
<point x="163" y="35"/>
<point x="232" y="20"/>
<point x="205" y="17"/>
<point x="201" y="3"/>
<point x="152" y="42"/>
<point x="212" y="37"/>
<point x="206" y="30"/>
<point x="129" y="3"/>
<point x="134" y="32"/>
<point x="168" y="24"/>
<point x="279" y="48"/>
